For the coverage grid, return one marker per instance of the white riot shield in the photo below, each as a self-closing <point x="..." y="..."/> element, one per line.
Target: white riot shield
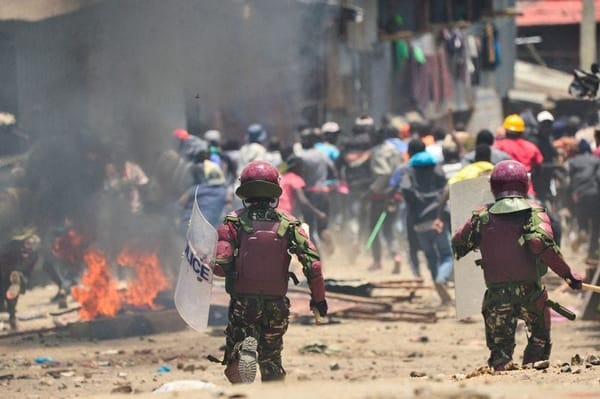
<point x="194" y="285"/>
<point x="466" y="196"/>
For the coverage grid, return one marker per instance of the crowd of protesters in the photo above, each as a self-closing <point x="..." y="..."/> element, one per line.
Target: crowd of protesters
<point x="382" y="188"/>
<point x="379" y="188"/>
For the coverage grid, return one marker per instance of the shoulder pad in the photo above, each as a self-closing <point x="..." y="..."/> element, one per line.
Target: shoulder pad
<point x="286" y="220"/>
<point x="286" y="215"/>
<point x="481" y="214"/>
<point x="239" y="218"/>
<point x="535" y="205"/>
<point x="539" y="227"/>
<point x="224" y="233"/>
<point x="481" y="209"/>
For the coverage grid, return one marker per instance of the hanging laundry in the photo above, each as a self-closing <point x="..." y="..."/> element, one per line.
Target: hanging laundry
<point x="401" y="53"/>
<point x="454" y="41"/>
<point x="474" y="61"/>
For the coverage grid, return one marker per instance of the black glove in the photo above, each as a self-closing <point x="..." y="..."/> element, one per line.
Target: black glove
<point x="575" y="281"/>
<point x="320" y="306"/>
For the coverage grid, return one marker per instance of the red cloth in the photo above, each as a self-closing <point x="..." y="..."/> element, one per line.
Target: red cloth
<point x="521" y="150"/>
<point x="289" y="183"/>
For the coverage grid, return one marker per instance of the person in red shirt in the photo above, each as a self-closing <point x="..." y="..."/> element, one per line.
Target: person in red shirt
<point x="292" y="186"/>
<point x="517" y="147"/>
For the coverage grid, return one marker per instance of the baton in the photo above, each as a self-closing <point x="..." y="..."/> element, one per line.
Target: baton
<point x="561" y="310"/>
<point x="590" y="287"/>
<point x="376" y="229"/>
<point x="587" y="287"/>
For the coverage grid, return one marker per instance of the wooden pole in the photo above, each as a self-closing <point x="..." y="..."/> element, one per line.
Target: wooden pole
<point x="590" y="287"/>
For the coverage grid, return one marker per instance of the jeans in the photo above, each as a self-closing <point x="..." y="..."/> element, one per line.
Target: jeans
<point x="438" y="252"/>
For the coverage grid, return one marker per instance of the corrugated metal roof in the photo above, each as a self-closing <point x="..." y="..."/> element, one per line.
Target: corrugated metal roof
<point x="552" y="12"/>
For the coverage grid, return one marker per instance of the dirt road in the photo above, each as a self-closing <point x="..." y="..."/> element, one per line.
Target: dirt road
<point x="341" y="358"/>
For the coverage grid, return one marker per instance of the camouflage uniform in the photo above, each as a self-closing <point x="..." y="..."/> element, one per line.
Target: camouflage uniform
<point x="267" y="318"/>
<point x="502" y="307"/>
<point x="258" y="310"/>
<point x="254" y="249"/>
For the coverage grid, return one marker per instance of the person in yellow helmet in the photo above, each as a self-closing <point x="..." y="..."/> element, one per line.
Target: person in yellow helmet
<point x="514" y="123"/>
<point x="515" y="145"/>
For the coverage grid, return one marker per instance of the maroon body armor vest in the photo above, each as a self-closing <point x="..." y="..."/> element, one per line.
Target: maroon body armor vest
<point x="262" y="262"/>
<point x="503" y="258"/>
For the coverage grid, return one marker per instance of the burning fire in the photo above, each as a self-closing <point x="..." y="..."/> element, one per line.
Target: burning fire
<point x="99" y="294"/>
<point x="149" y="277"/>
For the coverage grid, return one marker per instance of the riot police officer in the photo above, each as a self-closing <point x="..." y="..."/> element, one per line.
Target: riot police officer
<point x="517" y="247"/>
<point x="253" y="254"/>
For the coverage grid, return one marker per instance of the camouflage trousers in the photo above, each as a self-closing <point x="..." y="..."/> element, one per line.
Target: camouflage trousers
<point x="503" y="306"/>
<point x="265" y="319"/>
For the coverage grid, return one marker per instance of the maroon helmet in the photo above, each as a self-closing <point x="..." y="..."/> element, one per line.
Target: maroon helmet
<point x="259" y="179"/>
<point x="509" y="179"/>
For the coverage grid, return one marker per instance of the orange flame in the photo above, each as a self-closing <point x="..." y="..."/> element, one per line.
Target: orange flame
<point x="98" y="293"/>
<point x="149" y="278"/>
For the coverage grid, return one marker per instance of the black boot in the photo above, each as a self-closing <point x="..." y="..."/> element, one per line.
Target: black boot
<point x="12" y="320"/>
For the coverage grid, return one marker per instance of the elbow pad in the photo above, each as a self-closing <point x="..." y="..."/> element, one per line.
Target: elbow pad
<point x="223" y="256"/>
<point x="224" y="253"/>
<point x="226" y="233"/>
<point x="225" y="250"/>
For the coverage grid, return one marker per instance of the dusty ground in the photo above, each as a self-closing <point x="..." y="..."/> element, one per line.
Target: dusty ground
<point x="339" y="358"/>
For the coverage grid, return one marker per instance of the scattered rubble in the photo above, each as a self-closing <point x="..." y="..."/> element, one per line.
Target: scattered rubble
<point x="380" y="301"/>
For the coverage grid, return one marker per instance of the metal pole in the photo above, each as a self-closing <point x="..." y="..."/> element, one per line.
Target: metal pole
<point x="587" y="32"/>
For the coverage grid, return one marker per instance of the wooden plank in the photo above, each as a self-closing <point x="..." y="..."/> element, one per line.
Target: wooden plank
<point x="401" y="286"/>
<point x="349" y="298"/>
<point x="39" y="331"/>
<point x="591" y="301"/>
<point x="416" y="281"/>
<point x="389" y="317"/>
<point x="397" y="298"/>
